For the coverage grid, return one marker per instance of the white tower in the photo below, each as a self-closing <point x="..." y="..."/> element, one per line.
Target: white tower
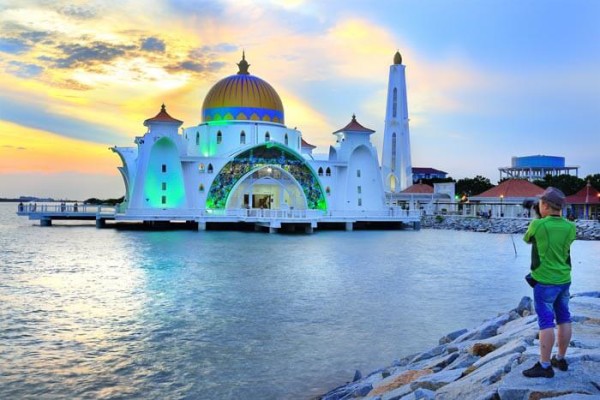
<point x="396" y="166"/>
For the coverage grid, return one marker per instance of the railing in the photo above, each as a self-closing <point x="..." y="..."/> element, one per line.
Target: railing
<point x="63" y="208"/>
<point x="393" y="213"/>
<point x="72" y="210"/>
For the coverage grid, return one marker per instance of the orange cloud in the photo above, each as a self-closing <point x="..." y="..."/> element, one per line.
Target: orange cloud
<point x="29" y="150"/>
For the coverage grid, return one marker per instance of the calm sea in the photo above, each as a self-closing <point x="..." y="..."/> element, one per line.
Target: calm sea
<point x="112" y="314"/>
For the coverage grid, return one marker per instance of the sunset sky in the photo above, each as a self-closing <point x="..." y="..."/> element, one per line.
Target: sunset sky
<point x="487" y="80"/>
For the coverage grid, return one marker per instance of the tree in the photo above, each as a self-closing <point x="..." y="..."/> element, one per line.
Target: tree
<point x="594" y="180"/>
<point x="472" y="186"/>
<point x="569" y="184"/>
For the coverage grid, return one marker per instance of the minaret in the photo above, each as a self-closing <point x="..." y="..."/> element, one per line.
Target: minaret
<point x="396" y="166"/>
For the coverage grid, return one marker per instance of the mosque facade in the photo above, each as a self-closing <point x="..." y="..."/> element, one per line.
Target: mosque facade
<point x="242" y="159"/>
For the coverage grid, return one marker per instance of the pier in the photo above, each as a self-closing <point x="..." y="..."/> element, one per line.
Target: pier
<point x="260" y="219"/>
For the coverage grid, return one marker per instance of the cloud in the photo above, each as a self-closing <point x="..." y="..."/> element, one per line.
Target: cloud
<point x="217" y="48"/>
<point x="153" y="44"/>
<point x="35" y="36"/>
<point x="194" y="66"/>
<point x="8" y="146"/>
<point x="78" y="12"/>
<point x="37" y="116"/>
<point x="89" y="55"/>
<point x="14" y="45"/>
<point x="24" y="70"/>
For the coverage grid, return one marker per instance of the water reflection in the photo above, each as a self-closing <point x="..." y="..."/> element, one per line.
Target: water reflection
<point x="87" y="313"/>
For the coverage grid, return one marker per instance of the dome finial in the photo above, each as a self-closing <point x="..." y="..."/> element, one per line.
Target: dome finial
<point x="243" y="65"/>
<point x="397" y="58"/>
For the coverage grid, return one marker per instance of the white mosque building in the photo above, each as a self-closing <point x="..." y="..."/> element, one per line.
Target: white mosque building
<point x="242" y="164"/>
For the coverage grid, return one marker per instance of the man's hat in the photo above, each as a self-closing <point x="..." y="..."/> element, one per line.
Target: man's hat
<point x="554" y="197"/>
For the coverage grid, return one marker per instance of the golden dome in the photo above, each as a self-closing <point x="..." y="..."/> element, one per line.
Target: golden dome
<point x="242" y="97"/>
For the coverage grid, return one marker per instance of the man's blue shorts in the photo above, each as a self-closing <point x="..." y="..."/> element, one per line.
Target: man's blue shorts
<point x="551" y="301"/>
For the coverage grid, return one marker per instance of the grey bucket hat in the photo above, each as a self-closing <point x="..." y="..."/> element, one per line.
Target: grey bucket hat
<point x="553" y="196"/>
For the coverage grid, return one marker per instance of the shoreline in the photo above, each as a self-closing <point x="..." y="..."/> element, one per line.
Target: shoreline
<point x="486" y="362"/>
<point x="586" y="229"/>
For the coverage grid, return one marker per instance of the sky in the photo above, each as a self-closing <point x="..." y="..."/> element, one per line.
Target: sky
<point x="487" y="80"/>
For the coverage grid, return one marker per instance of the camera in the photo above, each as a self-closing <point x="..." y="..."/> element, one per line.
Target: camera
<point x="534" y="206"/>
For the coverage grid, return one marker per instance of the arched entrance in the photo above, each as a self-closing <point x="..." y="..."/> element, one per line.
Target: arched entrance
<point x="268" y="187"/>
<point x="269" y="175"/>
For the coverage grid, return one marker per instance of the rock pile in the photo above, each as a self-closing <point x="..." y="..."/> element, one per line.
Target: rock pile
<point x="586" y="230"/>
<point x="486" y="363"/>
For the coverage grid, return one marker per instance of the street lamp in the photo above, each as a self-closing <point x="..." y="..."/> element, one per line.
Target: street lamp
<point x="501" y="204"/>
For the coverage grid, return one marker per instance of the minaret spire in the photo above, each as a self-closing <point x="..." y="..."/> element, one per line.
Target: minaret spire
<point x="396" y="165"/>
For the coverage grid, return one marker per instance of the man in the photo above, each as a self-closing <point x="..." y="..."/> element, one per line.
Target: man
<point x="551" y="237"/>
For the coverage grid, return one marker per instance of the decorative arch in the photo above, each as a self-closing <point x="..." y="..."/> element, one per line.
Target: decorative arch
<point x="264" y="155"/>
<point x="164" y="186"/>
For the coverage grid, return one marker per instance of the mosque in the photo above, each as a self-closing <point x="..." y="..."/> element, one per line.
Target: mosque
<point x="241" y="163"/>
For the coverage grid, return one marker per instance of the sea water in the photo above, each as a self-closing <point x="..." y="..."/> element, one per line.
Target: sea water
<point x="120" y="314"/>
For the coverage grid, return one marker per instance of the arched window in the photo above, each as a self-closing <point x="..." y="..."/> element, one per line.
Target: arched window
<point x="393" y="151"/>
<point x="201" y="188"/>
<point x="219" y="137"/>
<point x="320" y="171"/>
<point x="201" y="167"/>
<point x="267" y="137"/>
<point x="395" y="103"/>
<point x="328" y="172"/>
<point x="358" y="173"/>
<point x="210" y="169"/>
<point x="197" y="138"/>
<point x="328" y="190"/>
<point x="243" y="137"/>
<point x="286" y="139"/>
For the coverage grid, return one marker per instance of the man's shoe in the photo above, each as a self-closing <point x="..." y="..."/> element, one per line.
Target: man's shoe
<point x="560" y="364"/>
<point x="537" y="371"/>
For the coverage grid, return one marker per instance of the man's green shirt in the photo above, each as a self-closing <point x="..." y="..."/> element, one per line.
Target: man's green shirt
<point x="551" y="239"/>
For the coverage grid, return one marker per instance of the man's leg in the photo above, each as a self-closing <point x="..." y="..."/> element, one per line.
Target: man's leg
<point x="564" y="338"/>
<point x="546" y="343"/>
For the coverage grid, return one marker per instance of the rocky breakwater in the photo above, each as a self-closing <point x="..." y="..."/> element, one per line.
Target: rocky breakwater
<point x="586" y="229"/>
<point x="486" y="362"/>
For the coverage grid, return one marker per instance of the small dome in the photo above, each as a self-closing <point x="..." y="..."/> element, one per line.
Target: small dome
<point x="242" y="97"/>
<point x="397" y="58"/>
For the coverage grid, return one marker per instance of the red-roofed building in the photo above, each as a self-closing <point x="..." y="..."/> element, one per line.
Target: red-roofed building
<point x="584" y="204"/>
<point x="507" y="198"/>
<point x="419" y="188"/>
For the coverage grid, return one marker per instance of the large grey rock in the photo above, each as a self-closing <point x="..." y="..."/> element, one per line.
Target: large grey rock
<point x="436" y="351"/>
<point x="481" y="383"/>
<point x="486" y="330"/>
<point x="452" y="335"/>
<point x="585" y="306"/>
<point x="580" y="378"/>
<point x="437" y="380"/>
<point x="420" y="394"/>
<point x="517" y="346"/>
<point x="525" y="306"/>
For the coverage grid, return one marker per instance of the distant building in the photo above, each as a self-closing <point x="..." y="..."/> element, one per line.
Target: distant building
<point x="506" y="199"/>
<point x="419" y="173"/>
<point x="536" y="168"/>
<point x="584" y="204"/>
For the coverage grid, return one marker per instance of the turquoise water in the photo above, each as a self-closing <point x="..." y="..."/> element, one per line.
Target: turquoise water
<point x="111" y="314"/>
